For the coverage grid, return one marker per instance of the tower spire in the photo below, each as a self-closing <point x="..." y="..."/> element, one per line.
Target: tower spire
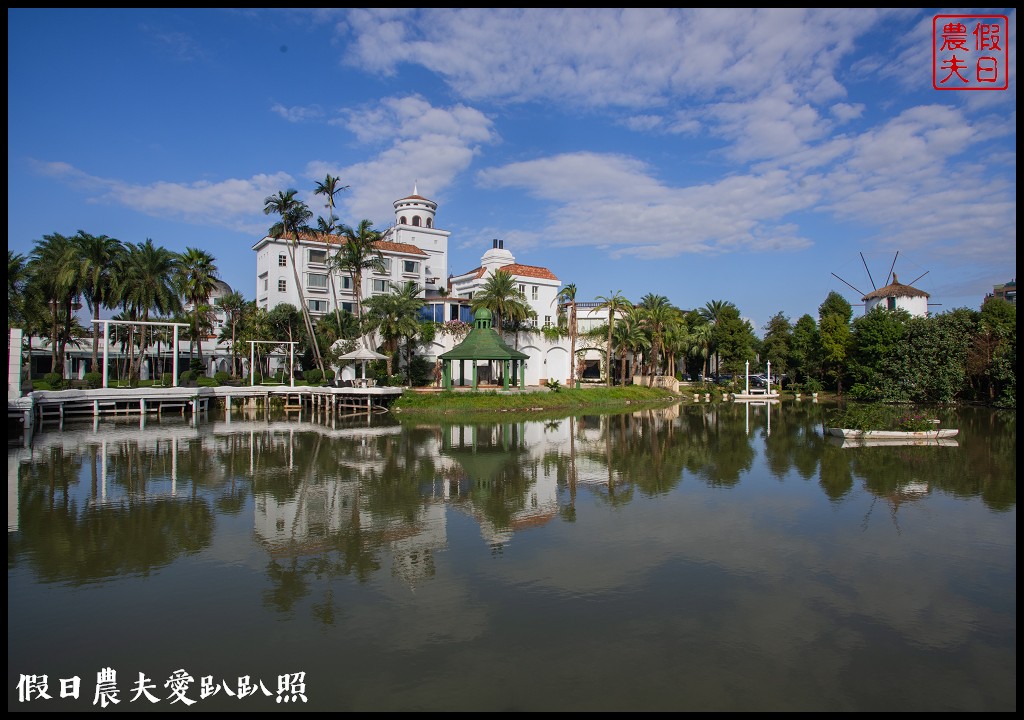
<point x="415" y="191"/>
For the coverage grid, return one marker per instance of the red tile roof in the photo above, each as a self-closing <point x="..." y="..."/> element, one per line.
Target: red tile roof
<point x="382" y="245"/>
<point x="515" y="270"/>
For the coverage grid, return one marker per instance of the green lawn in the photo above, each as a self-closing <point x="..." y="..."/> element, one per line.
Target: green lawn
<point x="460" y="401"/>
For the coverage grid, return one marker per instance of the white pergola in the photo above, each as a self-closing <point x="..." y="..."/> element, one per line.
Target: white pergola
<point x="106" y="343"/>
<point x="291" y="358"/>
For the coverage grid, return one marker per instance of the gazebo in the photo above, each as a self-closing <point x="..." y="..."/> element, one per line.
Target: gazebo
<point x="484" y="343"/>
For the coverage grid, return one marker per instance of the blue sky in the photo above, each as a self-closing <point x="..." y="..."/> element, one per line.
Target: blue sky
<point x="742" y="155"/>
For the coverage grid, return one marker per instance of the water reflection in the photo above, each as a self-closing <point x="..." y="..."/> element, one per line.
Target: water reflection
<point x="736" y="530"/>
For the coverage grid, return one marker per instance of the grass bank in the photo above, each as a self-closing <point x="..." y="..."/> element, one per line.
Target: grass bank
<point x="565" y="399"/>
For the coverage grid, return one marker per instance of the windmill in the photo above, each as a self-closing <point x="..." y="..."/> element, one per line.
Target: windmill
<point x="893" y="295"/>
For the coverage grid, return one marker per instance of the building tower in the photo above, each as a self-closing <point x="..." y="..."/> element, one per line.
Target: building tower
<point x="414" y="225"/>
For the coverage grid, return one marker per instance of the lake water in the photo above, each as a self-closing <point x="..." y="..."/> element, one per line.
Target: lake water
<point x="697" y="557"/>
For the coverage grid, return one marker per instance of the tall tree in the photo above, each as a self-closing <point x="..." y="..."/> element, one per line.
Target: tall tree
<point x="294" y="216"/>
<point x="567" y="298"/>
<point x="17" y="282"/>
<point x="778" y="334"/>
<point x="196" y="274"/>
<point x="712" y="312"/>
<point x="330" y="187"/>
<point x="57" y="277"/>
<point x="834" y="326"/>
<point x="614" y="303"/>
<point x="234" y="305"/>
<point x="145" y="283"/>
<point x="503" y="298"/>
<point x="99" y="256"/>
<point x="657" y="312"/>
<point x="357" y="254"/>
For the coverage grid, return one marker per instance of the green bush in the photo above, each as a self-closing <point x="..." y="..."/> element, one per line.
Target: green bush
<point x="554" y="386"/>
<point x="204" y="381"/>
<point x="314" y="376"/>
<point x="196" y="367"/>
<point x="167" y="380"/>
<point x="257" y="378"/>
<point x="54" y="380"/>
<point x="185" y="379"/>
<point x="329" y="375"/>
<point x="93" y="380"/>
<point x="222" y="377"/>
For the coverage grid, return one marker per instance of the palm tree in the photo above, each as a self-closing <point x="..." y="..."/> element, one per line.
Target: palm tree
<point x="657" y="314"/>
<point x="629" y="337"/>
<point x="614" y="303"/>
<point x="713" y="311"/>
<point x="98" y="255"/>
<point x="330" y="188"/>
<point x="294" y="216"/>
<point x="17" y="281"/>
<point x="358" y="253"/>
<point x="566" y="297"/>
<point x="57" y="277"/>
<point x="234" y="305"/>
<point x="503" y="298"/>
<point x="395" y="316"/>
<point x="196" y="276"/>
<point x="145" y="283"/>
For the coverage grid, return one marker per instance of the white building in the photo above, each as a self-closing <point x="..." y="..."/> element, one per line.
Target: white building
<point x="414" y="249"/>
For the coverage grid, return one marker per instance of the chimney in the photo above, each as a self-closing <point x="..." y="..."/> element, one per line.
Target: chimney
<point x="494" y="244"/>
<point x="501" y="244"/>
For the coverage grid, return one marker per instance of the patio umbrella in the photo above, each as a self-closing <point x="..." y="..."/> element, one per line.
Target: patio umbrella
<point x="364" y="355"/>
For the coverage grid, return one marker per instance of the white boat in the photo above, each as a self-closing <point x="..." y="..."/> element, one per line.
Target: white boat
<point x="897" y="442"/>
<point x="936" y="434"/>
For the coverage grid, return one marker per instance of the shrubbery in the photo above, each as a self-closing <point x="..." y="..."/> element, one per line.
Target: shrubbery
<point x="93" y="380"/>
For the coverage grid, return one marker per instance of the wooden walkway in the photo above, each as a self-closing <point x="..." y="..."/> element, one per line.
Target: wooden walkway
<point x="44" y="406"/>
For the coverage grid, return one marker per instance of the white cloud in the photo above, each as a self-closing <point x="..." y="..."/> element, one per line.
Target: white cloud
<point x="232" y="203"/>
<point x="422" y="144"/>
<point x="298" y="113"/>
<point x="618" y="57"/>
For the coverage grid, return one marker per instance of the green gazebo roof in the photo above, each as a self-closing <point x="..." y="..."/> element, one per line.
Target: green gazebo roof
<point x="483" y="343"/>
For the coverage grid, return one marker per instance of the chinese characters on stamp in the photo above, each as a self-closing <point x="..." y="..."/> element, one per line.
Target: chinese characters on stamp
<point x="970" y="52"/>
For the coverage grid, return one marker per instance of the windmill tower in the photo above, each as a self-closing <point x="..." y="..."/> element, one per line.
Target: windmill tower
<point x="893" y="295"/>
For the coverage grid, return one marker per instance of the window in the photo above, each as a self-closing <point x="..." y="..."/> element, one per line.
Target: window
<point x="264" y="281"/>
<point x="534" y="292"/>
<point x="349" y="307"/>
<point x="410" y="267"/>
<point x="318" y="257"/>
<point x="282" y="260"/>
<point x="522" y="289"/>
<point x="316" y="281"/>
<point x="415" y="220"/>
<point x="890" y="303"/>
<point x="547" y="321"/>
<point x="282" y="285"/>
<point x="317" y="306"/>
<point x="429" y="224"/>
<point x="380" y="286"/>
<point x="346" y="282"/>
<point x="387" y="266"/>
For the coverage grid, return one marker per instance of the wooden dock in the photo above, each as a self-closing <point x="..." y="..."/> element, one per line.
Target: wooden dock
<point x="55" y="406"/>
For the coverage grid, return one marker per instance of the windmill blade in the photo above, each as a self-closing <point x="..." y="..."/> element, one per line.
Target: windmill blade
<point x="891" y="268"/>
<point x="840" y="279"/>
<point x="873" y="287"/>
